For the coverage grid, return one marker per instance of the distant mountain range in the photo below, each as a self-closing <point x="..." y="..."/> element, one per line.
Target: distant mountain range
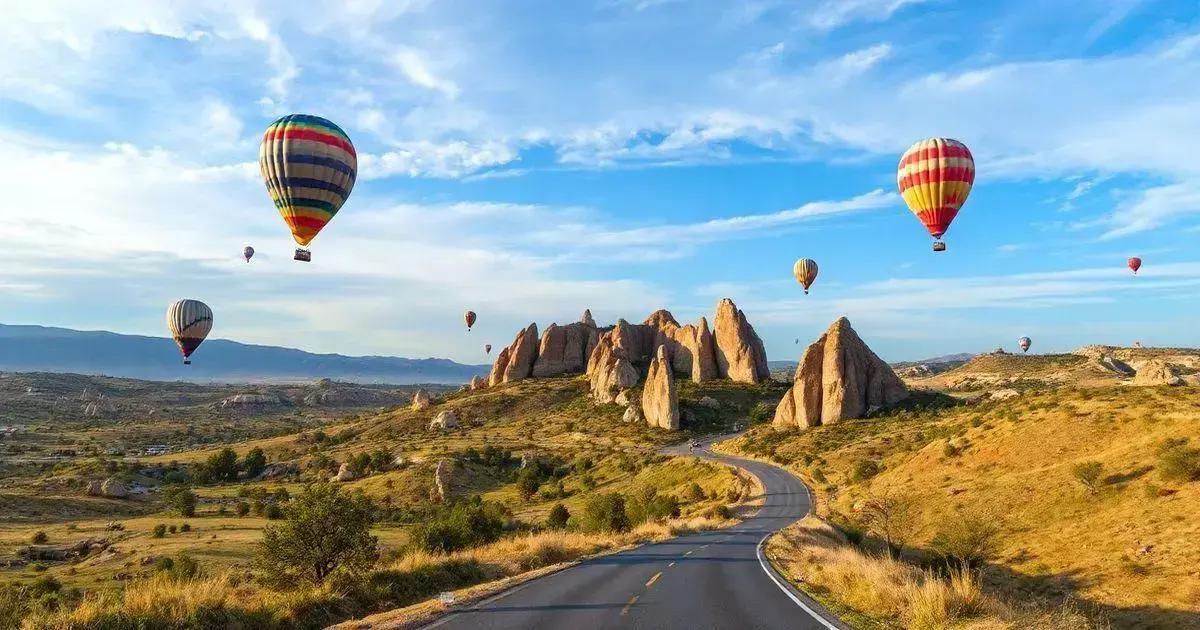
<point x="45" y="349"/>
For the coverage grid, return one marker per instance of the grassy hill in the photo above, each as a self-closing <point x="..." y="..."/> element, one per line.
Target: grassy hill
<point x="1093" y="491"/>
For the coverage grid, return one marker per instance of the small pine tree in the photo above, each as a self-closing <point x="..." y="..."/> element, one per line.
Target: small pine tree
<point x="558" y="517"/>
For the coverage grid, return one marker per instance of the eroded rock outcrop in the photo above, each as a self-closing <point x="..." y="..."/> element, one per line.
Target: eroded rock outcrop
<point x="586" y="318"/>
<point x="610" y="371"/>
<point x="1157" y="372"/>
<point x="113" y="489"/>
<point x="564" y="349"/>
<point x="520" y="356"/>
<point x="839" y="377"/>
<point x="660" y="398"/>
<point x="445" y="419"/>
<point x="740" y="355"/>
<point x="420" y="400"/>
<point x="496" y="376"/>
<point x="251" y="401"/>
<point x="477" y="383"/>
<point x="343" y="474"/>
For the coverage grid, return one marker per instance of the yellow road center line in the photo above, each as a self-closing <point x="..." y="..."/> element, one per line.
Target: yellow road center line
<point x="654" y="579"/>
<point x="632" y="601"/>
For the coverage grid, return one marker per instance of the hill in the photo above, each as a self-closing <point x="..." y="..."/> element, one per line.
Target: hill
<point x="46" y="349"/>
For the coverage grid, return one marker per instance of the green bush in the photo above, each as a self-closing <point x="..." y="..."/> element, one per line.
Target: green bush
<point x="558" y="517"/>
<point x="243" y="508"/>
<point x="1178" y="462"/>
<point x="273" y="512"/>
<point x="460" y="526"/>
<point x="222" y="465"/>
<point x="647" y="505"/>
<point x="967" y="539"/>
<point x="181" y="499"/>
<point x="695" y="493"/>
<point x="40" y="538"/>
<point x="1088" y="475"/>
<point x="528" y="482"/>
<point x="605" y="513"/>
<point x="864" y="469"/>
<point x="172" y="529"/>
<point x="160" y="530"/>
<point x="185" y="528"/>
<point x="254" y="463"/>
<point x="326" y="530"/>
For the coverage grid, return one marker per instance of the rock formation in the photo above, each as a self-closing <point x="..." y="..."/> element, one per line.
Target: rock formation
<point x="633" y="413"/>
<point x="94" y="488"/>
<point x="515" y="362"/>
<point x="445" y="419"/>
<point x="739" y="351"/>
<point x="101" y="407"/>
<point x="420" y="400"/>
<point x="344" y="473"/>
<point x="838" y="377"/>
<point x="441" y="479"/>
<point x="660" y="398"/>
<point x="477" y="382"/>
<point x="610" y="371"/>
<point x="113" y="489"/>
<point x="1157" y="372"/>
<point x="564" y="349"/>
<point x="251" y="401"/>
<point x="496" y="376"/>
<point x="586" y="318"/>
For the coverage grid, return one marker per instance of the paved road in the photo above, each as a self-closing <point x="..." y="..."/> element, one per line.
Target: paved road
<point x="708" y="580"/>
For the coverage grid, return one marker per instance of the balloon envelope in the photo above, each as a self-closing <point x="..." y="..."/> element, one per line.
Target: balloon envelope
<point x="469" y="317"/>
<point x="935" y="176"/>
<point x="189" y="321"/>
<point x="248" y="253"/>
<point x="309" y="166"/>
<point x="1135" y="263"/>
<point x="487" y="348"/>
<point x="1024" y="342"/>
<point x="805" y="271"/>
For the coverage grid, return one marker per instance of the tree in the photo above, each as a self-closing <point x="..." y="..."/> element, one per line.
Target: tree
<point x="222" y="465"/>
<point x="558" y="517"/>
<point x="181" y="499"/>
<point x="1088" y="475"/>
<point x="889" y="516"/>
<point x="969" y="539"/>
<point x="254" y="462"/>
<point x="605" y="513"/>
<point x="528" y="482"/>
<point x="243" y="508"/>
<point x="324" y="530"/>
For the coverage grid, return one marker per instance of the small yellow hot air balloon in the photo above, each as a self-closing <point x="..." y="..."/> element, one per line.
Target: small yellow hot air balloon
<point x="189" y="321"/>
<point x="805" y="271"/>
<point x="935" y="176"/>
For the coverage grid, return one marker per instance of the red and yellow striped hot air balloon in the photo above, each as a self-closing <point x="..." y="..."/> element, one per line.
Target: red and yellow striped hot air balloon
<point x="805" y="271"/>
<point x="309" y="166"/>
<point x="935" y="176"/>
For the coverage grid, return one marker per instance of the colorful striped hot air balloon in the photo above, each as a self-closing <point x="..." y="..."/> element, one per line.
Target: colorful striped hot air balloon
<point x="1135" y="263"/>
<point x="189" y="322"/>
<point x="935" y="176"/>
<point x="805" y="271"/>
<point x="309" y="166"/>
<point x="1024" y="343"/>
<point x="469" y="317"/>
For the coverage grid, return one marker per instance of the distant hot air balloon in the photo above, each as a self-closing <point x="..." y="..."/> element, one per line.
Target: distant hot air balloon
<point x="248" y="253"/>
<point x="469" y="317"/>
<point x="309" y="166"/>
<point x="1135" y="263"/>
<point x="797" y="341"/>
<point x="487" y="348"/>
<point x="1137" y="344"/>
<point x="189" y="322"/>
<point x="1024" y="342"/>
<point x="805" y="271"/>
<point x="935" y="176"/>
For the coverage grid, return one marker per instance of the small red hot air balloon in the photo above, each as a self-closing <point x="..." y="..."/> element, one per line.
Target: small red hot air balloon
<point x="487" y="348"/>
<point x="1135" y="263"/>
<point x="469" y="317"/>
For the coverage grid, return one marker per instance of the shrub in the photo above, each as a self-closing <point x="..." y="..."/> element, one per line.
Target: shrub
<point x="762" y="413"/>
<point x="648" y="505"/>
<point x="254" y="462"/>
<point x="160" y="530"/>
<point x="40" y="538"/>
<point x="243" y="508"/>
<point x="325" y="530"/>
<point x="890" y="517"/>
<point x="1178" y="462"/>
<point x="181" y="499"/>
<point x="864" y="469"/>
<point x="1088" y="475"/>
<point x="604" y="513"/>
<point x="460" y="526"/>
<point x="695" y="493"/>
<point x="558" y="517"/>
<point x="185" y="528"/>
<point x="172" y="529"/>
<point x="222" y="465"/>
<point x="528" y="482"/>
<point x="273" y="512"/>
<point x="967" y="539"/>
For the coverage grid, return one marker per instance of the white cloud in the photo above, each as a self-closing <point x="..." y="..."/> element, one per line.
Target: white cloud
<point x="416" y="68"/>
<point x="831" y="14"/>
<point x="1151" y="208"/>
<point x="429" y="159"/>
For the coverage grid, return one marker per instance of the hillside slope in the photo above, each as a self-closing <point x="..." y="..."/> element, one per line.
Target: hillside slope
<point x="45" y="349"/>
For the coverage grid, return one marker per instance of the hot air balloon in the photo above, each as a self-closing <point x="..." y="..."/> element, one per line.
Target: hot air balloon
<point x="805" y="271"/>
<point x="189" y="322"/>
<point x="1024" y="342"/>
<point x="935" y="176"/>
<point x="487" y="348"/>
<point x="309" y="166"/>
<point x="248" y="253"/>
<point x="469" y="317"/>
<point x="1135" y="263"/>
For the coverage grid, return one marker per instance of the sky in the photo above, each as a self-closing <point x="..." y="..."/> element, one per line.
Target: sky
<point x="528" y="160"/>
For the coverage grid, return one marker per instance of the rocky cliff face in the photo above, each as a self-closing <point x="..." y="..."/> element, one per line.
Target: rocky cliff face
<point x="739" y="352"/>
<point x="610" y="371"/>
<point x="660" y="398"/>
<point x="565" y="349"/>
<point x="839" y="377"/>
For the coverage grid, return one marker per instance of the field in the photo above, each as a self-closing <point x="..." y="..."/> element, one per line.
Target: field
<point x="1092" y="490"/>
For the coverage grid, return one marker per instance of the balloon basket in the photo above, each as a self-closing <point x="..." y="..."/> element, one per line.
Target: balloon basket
<point x="187" y="361"/>
<point x="303" y="255"/>
<point x="939" y="246"/>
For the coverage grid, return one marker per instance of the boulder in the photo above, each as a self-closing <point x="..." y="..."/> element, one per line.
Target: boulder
<point x="343" y="474"/>
<point x="623" y="398"/>
<point x="740" y="355"/>
<point x="610" y="371"/>
<point x="441" y="479"/>
<point x="1003" y="394"/>
<point x="660" y="398"/>
<point x="633" y="413"/>
<point x="521" y="355"/>
<point x="586" y="318"/>
<point x="838" y="377"/>
<point x="710" y="402"/>
<point x="477" y="383"/>
<point x="94" y="488"/>
<point x="1157" y="372"/>
<point x="113" y="489"/>
<point x="445" y="419"/>
<point x="421" y="401"/>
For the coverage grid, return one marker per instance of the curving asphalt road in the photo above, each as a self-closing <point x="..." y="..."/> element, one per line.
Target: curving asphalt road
<point x="713" y="579"/>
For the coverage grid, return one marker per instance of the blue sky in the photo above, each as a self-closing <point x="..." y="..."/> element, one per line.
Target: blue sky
<point x="531" y="159"/>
